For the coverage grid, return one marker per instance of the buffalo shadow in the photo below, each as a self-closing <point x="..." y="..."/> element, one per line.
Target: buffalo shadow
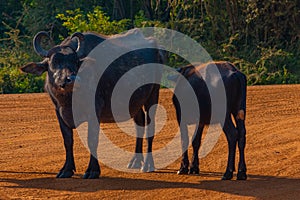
<point x="257" y="186"/>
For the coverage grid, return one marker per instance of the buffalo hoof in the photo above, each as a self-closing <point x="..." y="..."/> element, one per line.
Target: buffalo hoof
<point x="149" y="164"/>
<point x="136" y="162"/>
<point x="183" y="170"/>
<point x="147" y="167"/>
<point x="91" y="175"/>
<point x="194" y="170"/>
<point x="65" y="174"/>
<point x="227" y="176"/>
<point x="241" y="175"/>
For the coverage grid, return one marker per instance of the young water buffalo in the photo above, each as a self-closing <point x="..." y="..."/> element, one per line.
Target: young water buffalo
<point x="62" y="64"/>
<point x="235" y="89"/>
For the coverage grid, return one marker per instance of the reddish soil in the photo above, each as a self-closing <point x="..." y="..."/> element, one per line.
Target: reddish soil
<point x="32" y="153"/>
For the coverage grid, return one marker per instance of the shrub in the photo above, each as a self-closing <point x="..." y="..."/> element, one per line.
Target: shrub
<point x="98" y="21"/>
<point x="13" y="54"/>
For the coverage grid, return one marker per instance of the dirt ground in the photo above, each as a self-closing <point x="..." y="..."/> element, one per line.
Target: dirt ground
<point x="32" y="152"/>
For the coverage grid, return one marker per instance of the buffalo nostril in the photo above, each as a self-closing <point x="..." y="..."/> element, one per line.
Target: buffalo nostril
<point x="62" y="85"/>
<point x="69" y="80"/>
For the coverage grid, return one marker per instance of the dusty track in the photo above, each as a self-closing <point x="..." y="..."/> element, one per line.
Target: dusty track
<point x="32" y="152"/>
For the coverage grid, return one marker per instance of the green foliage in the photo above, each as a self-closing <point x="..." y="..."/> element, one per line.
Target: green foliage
<point x="98" y="21"/>
<point x="12" y="80"/>
<point x="260" y="37"/>
<point x="140" y="21"/>
<point x="13" y="54"/>
<point x="261" y="65"/>
<point x="259" y="73"/>
<point x="10" y="12"/>
<point x="41" y="15"/>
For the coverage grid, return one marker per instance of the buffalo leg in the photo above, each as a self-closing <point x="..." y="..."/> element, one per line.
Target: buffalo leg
<point x="231" y="135"/>
<point x="93" y="170"/>
<point x="184" y="166"/>
<point x="194" y="168"/>
<point x="137" y="160"/>
<point x="150" y="108"/>
<point x="68" y="169"/>
<point x="241" y="145"/>
<point x="149" y="163"/>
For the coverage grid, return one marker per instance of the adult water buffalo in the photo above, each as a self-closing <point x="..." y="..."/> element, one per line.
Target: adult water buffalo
<point x="62" y="64"/>
<point x="235" y="89"/>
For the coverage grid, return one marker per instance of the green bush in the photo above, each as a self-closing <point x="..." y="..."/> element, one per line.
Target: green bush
<point x="262" y="65"/>
<point x="261" y="38"/>
<point x="98" y="21"/>
<point x="13" y="54"/>
<point x="12" y="80"/>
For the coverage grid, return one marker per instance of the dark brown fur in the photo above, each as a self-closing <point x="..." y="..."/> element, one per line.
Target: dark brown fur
<point x="235" y="89"/>
<point x="62" y="63"/>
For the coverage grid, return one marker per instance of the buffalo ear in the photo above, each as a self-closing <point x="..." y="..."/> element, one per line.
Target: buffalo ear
<point x="35" y="68"/>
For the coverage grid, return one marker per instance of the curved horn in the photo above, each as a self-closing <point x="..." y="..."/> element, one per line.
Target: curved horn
<point x="80" y="47"/>
<point x="37" y="43"/>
